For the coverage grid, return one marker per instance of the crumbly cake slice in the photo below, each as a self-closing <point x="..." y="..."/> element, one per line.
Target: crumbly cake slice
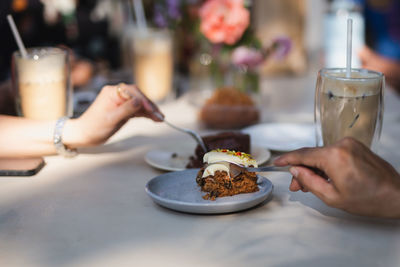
<point x="218" y="178"/>
<point x="222" y="185"/>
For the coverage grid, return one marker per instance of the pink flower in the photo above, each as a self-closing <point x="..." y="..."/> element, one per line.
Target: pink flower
<point x="224" y="21"/>
<point x="252" y="57"/>
<point x="246" y="56"/>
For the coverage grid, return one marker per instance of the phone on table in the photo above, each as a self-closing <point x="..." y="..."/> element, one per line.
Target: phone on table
<point x="21" y="167"/>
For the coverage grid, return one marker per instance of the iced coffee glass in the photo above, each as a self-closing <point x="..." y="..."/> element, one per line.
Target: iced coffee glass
<point x="42" y="83"/>
<point x="349" y="106"/>
<point x="153" y="62"/>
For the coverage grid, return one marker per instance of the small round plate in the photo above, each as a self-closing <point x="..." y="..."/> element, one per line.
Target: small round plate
<point x="170" y="160"/>
<point x="179" y="191"/>
<point x="282" y="136"/>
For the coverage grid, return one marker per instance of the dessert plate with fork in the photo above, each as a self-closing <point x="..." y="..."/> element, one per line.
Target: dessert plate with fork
<point x="179" y="191"/>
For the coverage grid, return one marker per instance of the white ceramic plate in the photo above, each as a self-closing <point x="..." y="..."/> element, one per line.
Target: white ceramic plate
<point x="179" y="191"/>
<point x="164" y="159"/>
<point x="282" y="136"/>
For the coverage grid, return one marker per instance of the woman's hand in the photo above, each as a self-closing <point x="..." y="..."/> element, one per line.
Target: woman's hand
<point x="360" y="181"/>
<point x="112" y="108"/>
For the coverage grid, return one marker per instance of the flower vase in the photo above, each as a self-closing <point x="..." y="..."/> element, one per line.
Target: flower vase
<point x="246" y="80"/>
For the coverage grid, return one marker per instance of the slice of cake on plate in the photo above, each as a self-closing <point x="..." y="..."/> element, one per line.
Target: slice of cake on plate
<point x="223" y="174"/>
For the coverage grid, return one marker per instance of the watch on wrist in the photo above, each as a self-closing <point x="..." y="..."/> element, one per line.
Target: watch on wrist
<point x="57" y="140"/>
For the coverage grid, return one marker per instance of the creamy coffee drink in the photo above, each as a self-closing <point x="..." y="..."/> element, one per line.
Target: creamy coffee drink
<point x="153" y="63"/>
<point x="350" y="106"/>
<point x="42" y="84"/>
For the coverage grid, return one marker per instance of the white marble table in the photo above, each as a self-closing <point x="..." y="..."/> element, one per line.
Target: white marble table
<point x="93" y="211"/>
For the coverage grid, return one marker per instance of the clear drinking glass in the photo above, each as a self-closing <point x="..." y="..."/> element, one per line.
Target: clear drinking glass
<point x="42" y="84"/>
<point x="153" y="62"/>
<point x="349" y="106"/>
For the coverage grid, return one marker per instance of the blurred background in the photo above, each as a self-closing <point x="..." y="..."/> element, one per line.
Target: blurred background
<point x="110" y="42"/>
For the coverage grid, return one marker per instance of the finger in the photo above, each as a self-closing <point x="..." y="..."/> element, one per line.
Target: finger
<point x="150" y="115"/>
<point x="116" y="93"/>
<point x="315" y="184"/>
<point x="148" y="106"/>
<point x="127" y="110"/>
<point x="313" y="157"/>
<point x="295" y="185"/>
<point x="148" y="109"/>
<point x="145" y="114"/>
<point x="152" y="110"/>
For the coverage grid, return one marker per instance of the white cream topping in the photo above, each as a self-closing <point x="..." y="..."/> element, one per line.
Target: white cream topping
<point x="219" y="161"/>
<point x="212" y="168"/>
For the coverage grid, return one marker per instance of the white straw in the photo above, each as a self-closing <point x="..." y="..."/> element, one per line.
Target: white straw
<point x="17" y="36"/>
<point x="349" y="37"/>
<point x="139" y="13"/>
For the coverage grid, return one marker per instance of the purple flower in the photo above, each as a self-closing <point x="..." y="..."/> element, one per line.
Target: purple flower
<point x="159" y="19"/>
<point x="173" y="7"/>
<point x="281" y="47"/>
<point x="247" y="56"/>
<point x="167" y="13"/>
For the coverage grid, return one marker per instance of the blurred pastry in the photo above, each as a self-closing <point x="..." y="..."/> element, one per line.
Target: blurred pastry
<point x="229" y="108"/>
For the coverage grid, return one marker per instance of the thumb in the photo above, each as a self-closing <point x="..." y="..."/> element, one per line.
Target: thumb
<point x="315" y="184"/>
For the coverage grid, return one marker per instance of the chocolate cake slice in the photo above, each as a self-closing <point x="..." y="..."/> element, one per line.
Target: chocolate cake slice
<point x="236" y="141"/>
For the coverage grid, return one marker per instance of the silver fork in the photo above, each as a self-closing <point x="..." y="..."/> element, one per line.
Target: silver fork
<point x="192" y="133"/>
<point x="236" y="169"/>
<point x="270" y="168"/>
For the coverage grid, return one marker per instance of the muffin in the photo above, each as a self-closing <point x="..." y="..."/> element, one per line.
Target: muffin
<point x="229" y="108"/>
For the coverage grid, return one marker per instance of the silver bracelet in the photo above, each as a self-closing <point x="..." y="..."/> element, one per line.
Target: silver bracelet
<point x="57" y="140"/>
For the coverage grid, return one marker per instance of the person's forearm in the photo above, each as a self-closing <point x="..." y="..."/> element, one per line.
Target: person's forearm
<point x="22" y="137"/>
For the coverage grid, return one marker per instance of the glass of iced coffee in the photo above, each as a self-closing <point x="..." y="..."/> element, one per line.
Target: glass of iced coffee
<point x="349" y="106"/>
<point x="41" y="82"/>
<point x="153" y="62"/>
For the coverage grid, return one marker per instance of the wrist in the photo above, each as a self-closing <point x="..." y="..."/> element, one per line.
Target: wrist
<point x="73" y="136"/>
<point x="396" y="212"/>
<point x="391" y="199"/>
